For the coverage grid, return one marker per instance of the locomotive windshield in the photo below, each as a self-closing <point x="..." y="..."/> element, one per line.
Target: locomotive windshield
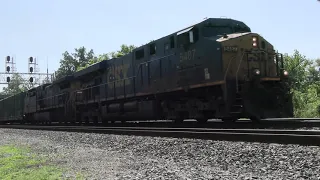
<point x="240" y="29"/>
<point x="209" y="31"/>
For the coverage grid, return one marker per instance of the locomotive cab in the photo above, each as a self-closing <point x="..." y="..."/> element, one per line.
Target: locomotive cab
<point x="224" y="52"/>
<point x="255" y="74"/>
<point x="248" y="56"/>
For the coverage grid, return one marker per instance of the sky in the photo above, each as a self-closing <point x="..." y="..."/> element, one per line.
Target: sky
<point x="45" y="29"/>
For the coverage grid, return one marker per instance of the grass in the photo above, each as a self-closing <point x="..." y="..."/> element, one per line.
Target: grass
<point x="19" y="163"/>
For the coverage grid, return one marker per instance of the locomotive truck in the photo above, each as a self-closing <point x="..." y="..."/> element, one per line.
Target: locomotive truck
<point x="216" y="68"/>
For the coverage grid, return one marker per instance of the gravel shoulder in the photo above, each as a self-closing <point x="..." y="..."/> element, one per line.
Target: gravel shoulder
<point x="102" y="156"/>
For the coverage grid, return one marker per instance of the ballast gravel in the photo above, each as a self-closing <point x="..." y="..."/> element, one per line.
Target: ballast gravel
<point x="104" y="156"/>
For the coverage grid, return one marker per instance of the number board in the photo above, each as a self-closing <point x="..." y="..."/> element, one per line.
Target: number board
<point x="230" y="48"/>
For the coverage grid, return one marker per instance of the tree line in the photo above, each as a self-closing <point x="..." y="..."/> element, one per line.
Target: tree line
<point x="304" y="76"/>
<point x="81" y="58"/>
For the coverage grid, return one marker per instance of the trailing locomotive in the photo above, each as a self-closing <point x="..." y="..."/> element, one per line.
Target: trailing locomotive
<point x="217" y="68"/>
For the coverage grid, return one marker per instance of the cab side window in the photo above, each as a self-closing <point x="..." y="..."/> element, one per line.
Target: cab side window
<point x="152" y="48"/>
<point x="139" y="54"/>
<point x="189" y="36"/>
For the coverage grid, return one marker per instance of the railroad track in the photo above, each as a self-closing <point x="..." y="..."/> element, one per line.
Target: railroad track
<point x="301" y="137"/>
<point x="276" y="123"/>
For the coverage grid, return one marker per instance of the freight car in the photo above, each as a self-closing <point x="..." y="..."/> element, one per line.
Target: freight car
<point x="217" y="68"/>
<point x="11" y="108"/>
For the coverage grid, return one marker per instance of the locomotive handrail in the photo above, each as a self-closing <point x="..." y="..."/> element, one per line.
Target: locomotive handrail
<point x="108" y="83"/>
<point x="70" y="102"/>
<point x="52" y="96"/>
<point x="52" y="100"/>
<point x="231" y="59"/>
<point x="238" y="72"/>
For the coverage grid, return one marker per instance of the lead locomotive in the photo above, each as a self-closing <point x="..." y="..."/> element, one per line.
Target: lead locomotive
<point x="217" y="68"/>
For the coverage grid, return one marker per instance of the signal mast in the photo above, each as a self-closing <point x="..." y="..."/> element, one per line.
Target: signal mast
<point x="33" y="75"/>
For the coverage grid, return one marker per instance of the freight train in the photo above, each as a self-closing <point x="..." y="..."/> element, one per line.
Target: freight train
<point x="215" y="69"/>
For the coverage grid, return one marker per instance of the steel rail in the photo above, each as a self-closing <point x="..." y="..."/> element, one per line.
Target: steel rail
<point x="276" y="123"/>
<point x="245" y="135"/>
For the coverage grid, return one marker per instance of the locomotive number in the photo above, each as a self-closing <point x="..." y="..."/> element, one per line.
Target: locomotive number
<point x="230" y="48"/>
<point x="187" y="56"/>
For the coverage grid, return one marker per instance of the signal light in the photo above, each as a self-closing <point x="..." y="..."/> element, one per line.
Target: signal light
<point x="31" y="79"/>
<point x="8" y="58"/>
<point x="8" y="68"/>
<point x="31" y="69"/>
<point x="8" y="79"/>
<point x="31" y="59"/>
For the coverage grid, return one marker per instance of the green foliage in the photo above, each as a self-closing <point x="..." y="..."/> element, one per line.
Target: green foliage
<point x="15" y="86"/>
<point x="19" y="163"/>
<point x="124" y="49"/>
<point x="94" y="60"/>
<point x="304" y="81"/>
<point x="71" y="62"/>
<point x="103" y="57"/>
<point x="297" y="65"/>
<point x="82" y="59"/>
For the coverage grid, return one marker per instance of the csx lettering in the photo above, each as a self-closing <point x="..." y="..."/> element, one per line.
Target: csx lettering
<point x="117" y="73"/>
<point x="187" y="56"/>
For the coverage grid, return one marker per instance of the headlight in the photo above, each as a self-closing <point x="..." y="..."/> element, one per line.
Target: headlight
<point x="254" y="41"/>
<point x="256" y="72"/>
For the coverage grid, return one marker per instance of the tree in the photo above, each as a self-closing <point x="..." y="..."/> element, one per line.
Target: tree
<point x="305" y="84"/>
<point x="314" y="71"/>
<point x="15" y="86"/>
<point x="70" y="63"/>
<point x="103" y="57"/>
<point x="124" y="49"/>
<point x="94" y="60"/>
<point x="82" y="57"/>
<point x="297" y="65"/>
